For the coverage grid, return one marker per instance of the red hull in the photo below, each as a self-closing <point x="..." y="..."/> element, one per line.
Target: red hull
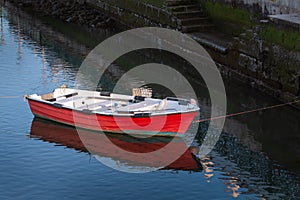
<point x="68" y="136"/>
<point x="164" y="125"/>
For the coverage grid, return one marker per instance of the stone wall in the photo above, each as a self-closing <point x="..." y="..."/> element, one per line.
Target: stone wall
<point x="270" y="6"/>
<point x="136" y="13"/>
<point x="131" y="13"/>
<point x="276" y="6"/>
<point x="261" y="52"/>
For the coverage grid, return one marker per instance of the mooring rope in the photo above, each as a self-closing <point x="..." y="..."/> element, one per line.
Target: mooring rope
<point x="249" y="111"/>
<point x="212" y="118"/>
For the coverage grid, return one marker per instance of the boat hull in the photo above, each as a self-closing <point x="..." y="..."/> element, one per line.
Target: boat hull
<point x="158" y="125"/>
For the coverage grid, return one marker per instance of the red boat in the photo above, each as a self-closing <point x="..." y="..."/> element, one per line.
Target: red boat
<point x="68" y="136"/>
<point x="103" y="111"/>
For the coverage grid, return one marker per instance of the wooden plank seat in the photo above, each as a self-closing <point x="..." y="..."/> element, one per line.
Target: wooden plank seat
<point x="50" y="96"/>
<point x="142" y="106"/>
<point x="102" y="109"/>
<point x="94" y="105"/>
<point x="74" y="98"/>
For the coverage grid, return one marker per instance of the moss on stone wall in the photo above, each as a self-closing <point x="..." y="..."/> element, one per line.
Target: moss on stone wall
<point x="229" y="19"/>
<point x="228" y="13"/>
<point x="286" y="74"/>
<point x="288" y="39"/>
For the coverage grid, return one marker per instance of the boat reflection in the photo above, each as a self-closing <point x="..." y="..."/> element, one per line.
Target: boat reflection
<point x="68" y="136"/>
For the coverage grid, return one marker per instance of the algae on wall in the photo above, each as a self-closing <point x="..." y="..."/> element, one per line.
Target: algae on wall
<point x="227" y="12"/>
<point x="241" y="17"/>
<point x="227" y="17"/>
<point x="287" y="38"/>
<point x="266" y="51"/>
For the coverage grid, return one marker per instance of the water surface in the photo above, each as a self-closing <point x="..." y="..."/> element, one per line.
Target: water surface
<point x="257" y="156"/>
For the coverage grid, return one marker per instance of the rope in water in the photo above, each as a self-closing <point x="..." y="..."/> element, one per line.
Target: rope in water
<point x="249" y="111"/>
<point x="10" y="97"/>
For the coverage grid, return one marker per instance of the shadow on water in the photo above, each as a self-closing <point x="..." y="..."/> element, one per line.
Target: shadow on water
<point x="274" y="132"/>
<point x="258" y="152"/>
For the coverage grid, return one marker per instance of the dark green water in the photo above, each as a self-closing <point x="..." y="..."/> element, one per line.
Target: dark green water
<point x="257" y="156"/>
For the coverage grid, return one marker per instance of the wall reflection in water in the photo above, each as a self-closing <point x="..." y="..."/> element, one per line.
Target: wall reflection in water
<point x="245" y="171"/>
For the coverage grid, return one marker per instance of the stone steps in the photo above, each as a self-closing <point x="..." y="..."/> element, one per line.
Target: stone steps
<point x="190" y="16"/>
<point x="178" y="2"/>
<point x="184" y="8"/>
<point x="193" y="21"/>
<point x="197" y="28"/>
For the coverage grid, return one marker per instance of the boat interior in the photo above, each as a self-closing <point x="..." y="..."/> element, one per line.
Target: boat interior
<point x="105" y="102"/>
